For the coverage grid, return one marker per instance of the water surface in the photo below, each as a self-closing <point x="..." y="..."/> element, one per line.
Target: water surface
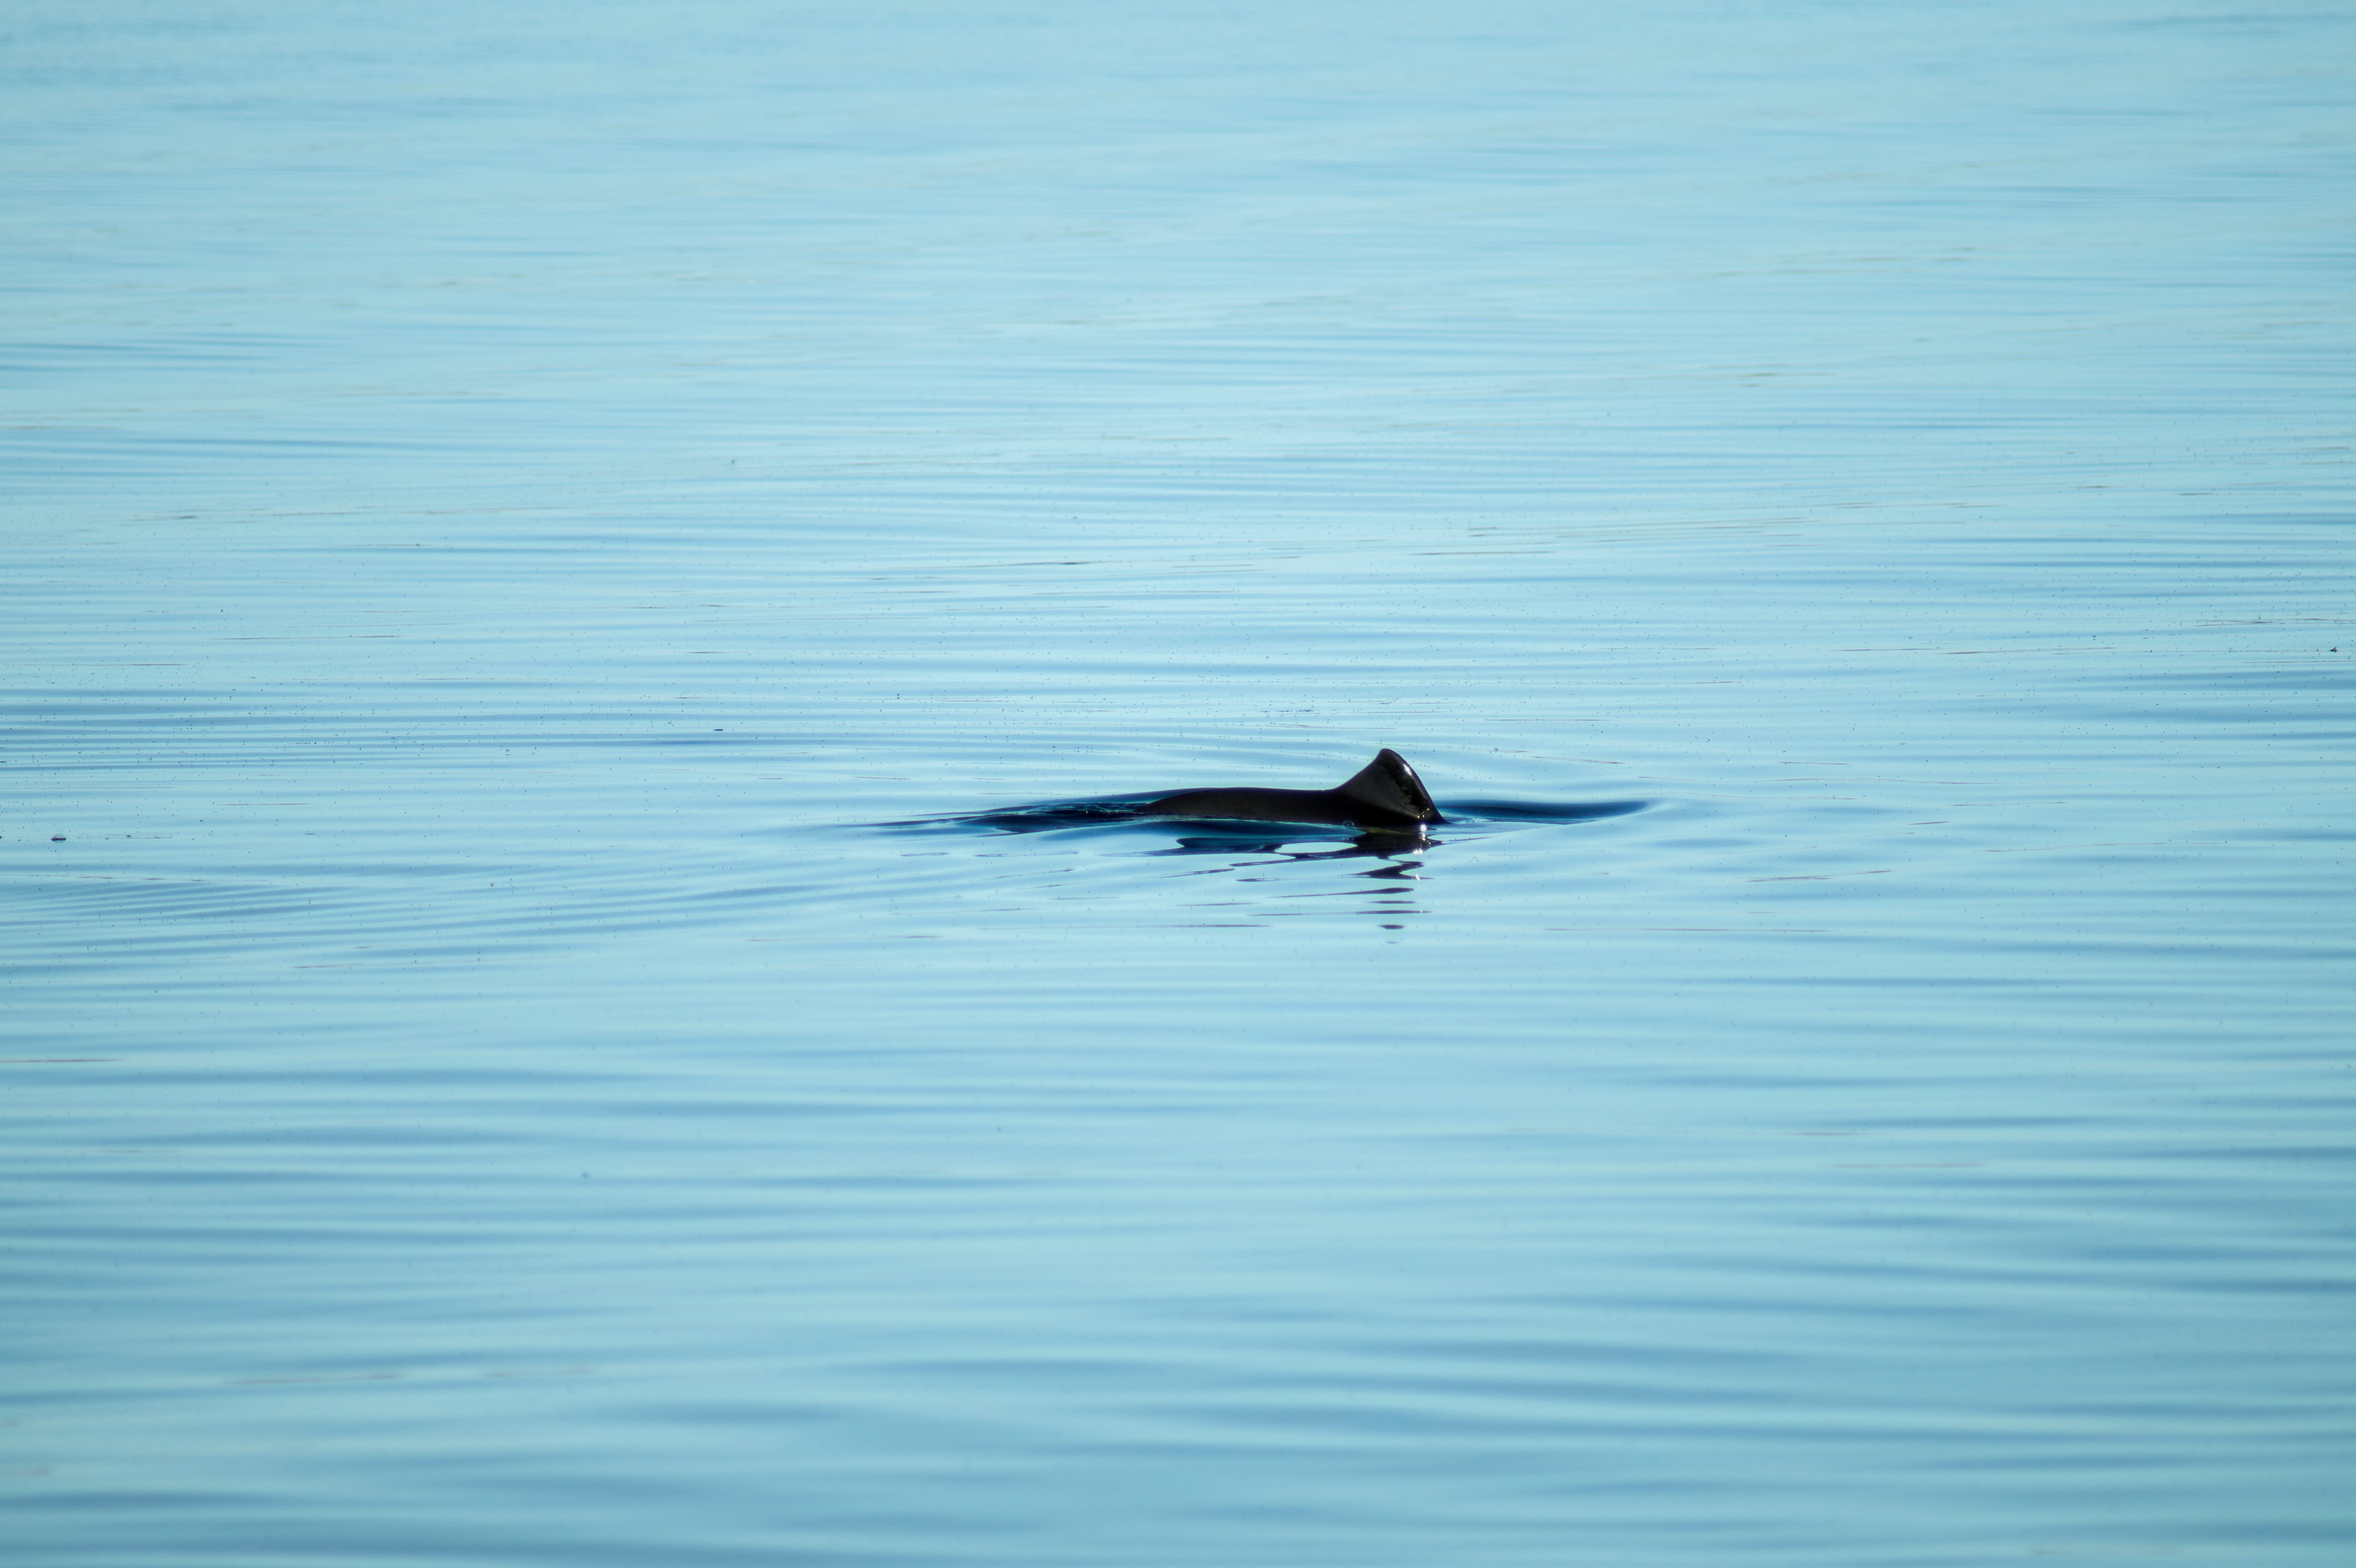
<point x="508" y="508"/>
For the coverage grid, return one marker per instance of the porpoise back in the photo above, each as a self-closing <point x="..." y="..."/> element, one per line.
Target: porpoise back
<point x="1383" y="793"/>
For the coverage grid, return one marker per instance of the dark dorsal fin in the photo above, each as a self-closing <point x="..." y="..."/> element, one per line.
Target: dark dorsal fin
<point x="1388" y="784"/>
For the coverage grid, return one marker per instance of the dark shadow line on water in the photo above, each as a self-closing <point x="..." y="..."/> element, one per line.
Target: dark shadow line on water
<point x="1198" y="834"/>
<point x="1238" y="847"/>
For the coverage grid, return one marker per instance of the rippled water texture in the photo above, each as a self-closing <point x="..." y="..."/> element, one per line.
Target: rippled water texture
<point x="514" y="512"/>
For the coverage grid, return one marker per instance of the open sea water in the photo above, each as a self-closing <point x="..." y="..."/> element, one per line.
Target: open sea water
<point x="532" y="530"/>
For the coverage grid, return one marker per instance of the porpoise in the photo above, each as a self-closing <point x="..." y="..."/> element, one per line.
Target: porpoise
<point x="1383" y="793"/>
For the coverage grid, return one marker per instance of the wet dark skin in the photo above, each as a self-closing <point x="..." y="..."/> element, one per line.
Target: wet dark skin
<point x="1386" y="793"/>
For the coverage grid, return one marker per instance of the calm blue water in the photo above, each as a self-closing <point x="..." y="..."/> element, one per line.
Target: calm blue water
<point x="506" y="504"/>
